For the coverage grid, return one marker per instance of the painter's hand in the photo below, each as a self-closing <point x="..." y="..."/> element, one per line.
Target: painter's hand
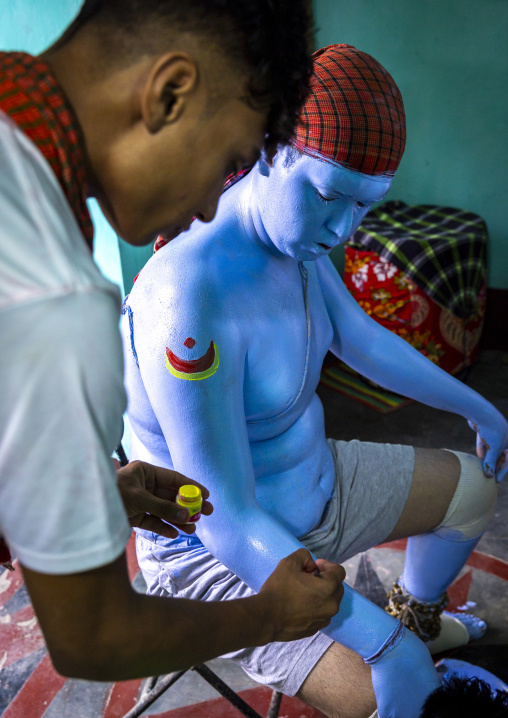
<point x="302" y="595"/>
<point x="148" y="494"/>
<point x="492" y="443"/>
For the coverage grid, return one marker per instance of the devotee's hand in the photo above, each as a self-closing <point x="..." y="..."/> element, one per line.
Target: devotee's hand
<point x="148" y="494"/>
<point x="403" y="678"/>
<point x="302" y="595"/>
<point x="492" y="444"/>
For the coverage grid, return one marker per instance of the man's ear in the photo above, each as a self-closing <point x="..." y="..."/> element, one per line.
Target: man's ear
<point x="172" y="79"/>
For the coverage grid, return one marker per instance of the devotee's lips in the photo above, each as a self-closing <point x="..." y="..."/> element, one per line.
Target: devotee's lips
<point x="192" y="366"/>
<point x="325" y="246"/>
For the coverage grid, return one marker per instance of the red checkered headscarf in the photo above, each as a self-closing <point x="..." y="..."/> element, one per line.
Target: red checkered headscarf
<point x="354" y="115"/>
<point x="31" y="96"/>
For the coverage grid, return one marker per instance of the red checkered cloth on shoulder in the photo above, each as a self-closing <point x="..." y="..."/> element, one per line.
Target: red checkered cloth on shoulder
<point x="31" y="96"/>
<point x="354" y="114"/>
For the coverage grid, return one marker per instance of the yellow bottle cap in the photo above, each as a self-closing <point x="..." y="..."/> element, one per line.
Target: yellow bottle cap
<point x="190" y="492"/>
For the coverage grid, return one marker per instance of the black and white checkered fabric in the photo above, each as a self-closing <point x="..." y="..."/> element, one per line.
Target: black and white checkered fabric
<point x="443" y="250"/>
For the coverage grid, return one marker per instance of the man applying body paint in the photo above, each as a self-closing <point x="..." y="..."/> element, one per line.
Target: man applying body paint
<point x="258" y="285"/>
<point x="147" y="106"/>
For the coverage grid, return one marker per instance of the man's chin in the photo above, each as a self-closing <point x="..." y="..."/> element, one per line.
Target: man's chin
<point x="171" y="234"/>
<point x="167" y="235"/>
<point x="152" y="236"/>
<point x="134" y="238"/>
<point x="136" y="241"/>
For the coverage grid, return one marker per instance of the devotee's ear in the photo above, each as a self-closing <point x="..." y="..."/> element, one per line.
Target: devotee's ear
<point x="171" y="80"/>
<point x="264" y="164"/>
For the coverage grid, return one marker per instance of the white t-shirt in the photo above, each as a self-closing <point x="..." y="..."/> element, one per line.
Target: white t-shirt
<point x="61" y="372"/>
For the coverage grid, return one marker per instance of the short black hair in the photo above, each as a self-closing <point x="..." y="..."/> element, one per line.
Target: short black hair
<point x="266" y="39"/>
<point x="467" y="698"/>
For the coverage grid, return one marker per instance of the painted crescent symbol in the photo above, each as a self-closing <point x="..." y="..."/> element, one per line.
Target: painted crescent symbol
<point x="194" y="369"/>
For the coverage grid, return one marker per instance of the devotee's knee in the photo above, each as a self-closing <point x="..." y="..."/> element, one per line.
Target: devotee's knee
<point x="473" y="503"/>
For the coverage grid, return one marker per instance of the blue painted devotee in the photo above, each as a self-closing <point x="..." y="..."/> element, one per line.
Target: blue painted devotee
<point x="225" y="332"/>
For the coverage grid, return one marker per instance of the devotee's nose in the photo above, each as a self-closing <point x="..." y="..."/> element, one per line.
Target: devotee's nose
<point x="342" y="222"/>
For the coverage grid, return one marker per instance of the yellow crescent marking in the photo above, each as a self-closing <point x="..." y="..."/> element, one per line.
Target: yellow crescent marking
<point x="197" y="375"/>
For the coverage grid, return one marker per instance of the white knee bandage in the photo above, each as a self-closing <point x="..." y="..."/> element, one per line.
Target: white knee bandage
<point x="473" y="503"/>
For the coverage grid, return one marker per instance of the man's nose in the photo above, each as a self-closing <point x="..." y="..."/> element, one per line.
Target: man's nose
<point x="208" y="209"/>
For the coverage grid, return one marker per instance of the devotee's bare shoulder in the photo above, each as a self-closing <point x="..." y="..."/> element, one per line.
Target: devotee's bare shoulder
<point x="201" y="272"/>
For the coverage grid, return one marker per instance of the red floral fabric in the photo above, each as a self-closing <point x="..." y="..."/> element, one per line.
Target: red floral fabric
<point x="396" y="302"/>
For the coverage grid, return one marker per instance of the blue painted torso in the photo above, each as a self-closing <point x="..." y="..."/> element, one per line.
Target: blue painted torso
<point x="278" y="312"/>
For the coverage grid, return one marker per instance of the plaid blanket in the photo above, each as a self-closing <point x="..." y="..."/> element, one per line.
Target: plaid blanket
<point x="443" y="250"/>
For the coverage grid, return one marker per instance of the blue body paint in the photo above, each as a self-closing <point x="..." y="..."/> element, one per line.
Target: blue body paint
<point x="254" y="431"/>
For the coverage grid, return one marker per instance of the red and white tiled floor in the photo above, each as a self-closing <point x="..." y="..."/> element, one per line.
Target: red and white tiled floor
<point x="30" y="688"/>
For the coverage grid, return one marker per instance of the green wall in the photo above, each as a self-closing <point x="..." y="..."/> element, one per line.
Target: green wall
<point x="31" y="26"/>
<point x="450" y="60"/>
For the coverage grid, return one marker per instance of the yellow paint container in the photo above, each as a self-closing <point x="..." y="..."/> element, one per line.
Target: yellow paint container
<point x="189" y="497"/>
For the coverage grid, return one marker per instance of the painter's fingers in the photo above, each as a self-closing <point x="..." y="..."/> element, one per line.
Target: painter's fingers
<point x="147" y="522"/>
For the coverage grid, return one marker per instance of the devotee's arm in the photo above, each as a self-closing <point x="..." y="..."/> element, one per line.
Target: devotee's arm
<point x="201" y="411"/>
<point x="384" y="357"/>
<point x="203" y="419"/>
